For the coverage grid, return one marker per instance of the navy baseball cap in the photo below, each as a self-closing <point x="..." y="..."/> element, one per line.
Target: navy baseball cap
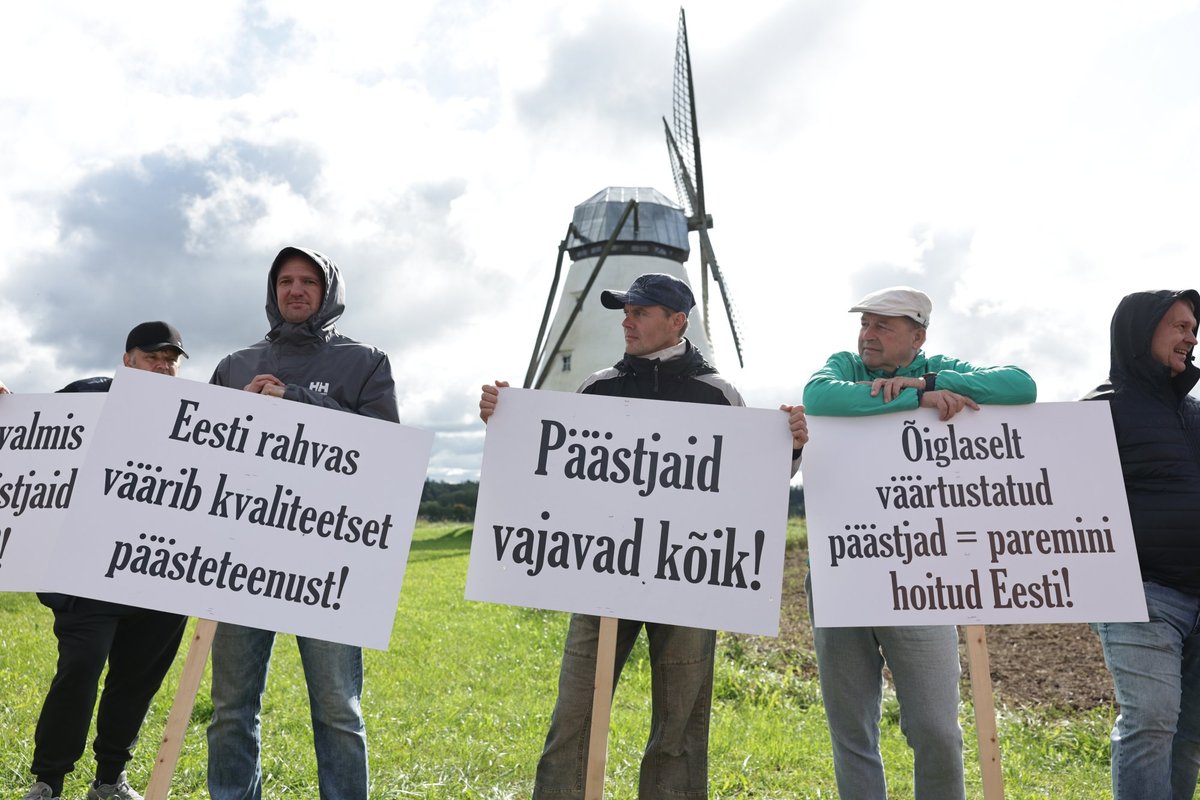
<point x="154" y="336"/>
<point x="652" y="289"/>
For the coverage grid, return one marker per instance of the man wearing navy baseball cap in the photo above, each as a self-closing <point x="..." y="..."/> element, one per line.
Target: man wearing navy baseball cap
<point x="652" y="289"/>
<point x="659" y="364"/>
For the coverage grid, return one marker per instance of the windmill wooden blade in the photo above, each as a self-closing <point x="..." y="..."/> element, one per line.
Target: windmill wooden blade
<point x="683" y="112"/>
<point x="683" y="147"/>
<point x="684" y="188"/>
<point x="706" y="253"/>
<point x="686" y="191"/>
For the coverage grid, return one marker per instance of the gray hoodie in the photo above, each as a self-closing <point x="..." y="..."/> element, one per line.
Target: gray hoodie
<point x="319" y="365"/>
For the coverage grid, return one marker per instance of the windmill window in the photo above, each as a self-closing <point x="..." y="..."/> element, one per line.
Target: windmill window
<point x="566" y="362"/>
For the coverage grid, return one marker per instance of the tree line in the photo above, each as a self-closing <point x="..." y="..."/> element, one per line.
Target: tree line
<point x="455" y="502"/>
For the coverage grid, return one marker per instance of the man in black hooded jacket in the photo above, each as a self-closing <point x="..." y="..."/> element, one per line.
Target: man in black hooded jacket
<point x="659" y="364"/>
<point x="1156" y="664"/>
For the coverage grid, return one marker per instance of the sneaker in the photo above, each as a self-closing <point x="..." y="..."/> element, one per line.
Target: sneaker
<point x="121" y="790"/>
<point x="40" y="791"/>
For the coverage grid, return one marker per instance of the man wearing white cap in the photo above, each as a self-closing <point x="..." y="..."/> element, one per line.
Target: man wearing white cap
<point x="892" y="373"/>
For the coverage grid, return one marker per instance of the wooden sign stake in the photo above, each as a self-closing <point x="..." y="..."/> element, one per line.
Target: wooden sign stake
<point x="181" y="710"/>
<point x="606" y="656"/>
<point x="985" y="712"/>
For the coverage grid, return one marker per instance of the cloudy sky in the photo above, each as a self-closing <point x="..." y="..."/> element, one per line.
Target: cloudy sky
<point x="1026" y="163"/>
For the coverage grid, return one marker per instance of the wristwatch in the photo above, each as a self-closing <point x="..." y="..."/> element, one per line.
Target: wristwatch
<point x="930" y="381"/>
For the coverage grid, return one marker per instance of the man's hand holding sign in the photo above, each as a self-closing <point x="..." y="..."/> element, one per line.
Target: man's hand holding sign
<point x="240" y="509"/>
<point x="890" y="377"/>
<point x="634" y="508"/>
<point x="668" y="515"/>
<point x="988" y="519"/>
<point x="305" y="359"/>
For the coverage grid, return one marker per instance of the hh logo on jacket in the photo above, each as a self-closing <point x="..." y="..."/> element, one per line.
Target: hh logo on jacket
<point x="320" y="387"/>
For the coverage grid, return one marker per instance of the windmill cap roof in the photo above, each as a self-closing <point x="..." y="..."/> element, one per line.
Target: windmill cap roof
<point x="897" y="301"/>
<point x="652" y="289"/>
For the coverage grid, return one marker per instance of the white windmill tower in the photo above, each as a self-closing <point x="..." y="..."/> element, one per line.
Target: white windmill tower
<point x="618" y="234"/>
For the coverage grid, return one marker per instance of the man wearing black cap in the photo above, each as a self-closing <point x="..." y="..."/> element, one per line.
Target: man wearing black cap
<point x="138" y="644"/>
<point x="154" y="347"/>
<point x="659" y="364"/>
<point x="302" y="358"/>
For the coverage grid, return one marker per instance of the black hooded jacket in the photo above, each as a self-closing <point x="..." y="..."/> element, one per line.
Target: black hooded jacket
<point x="686" y="378"/>
<point x="1158" y="437"/>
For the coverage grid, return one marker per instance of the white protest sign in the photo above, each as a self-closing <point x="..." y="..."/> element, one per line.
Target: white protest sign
<point x="43" y="439"/>
<point x="1009" y="514"/>
<point x="219" y="503"/>
<point x="640" y="509"/>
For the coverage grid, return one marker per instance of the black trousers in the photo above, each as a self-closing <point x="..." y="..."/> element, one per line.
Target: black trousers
<point x="139" y="646"/>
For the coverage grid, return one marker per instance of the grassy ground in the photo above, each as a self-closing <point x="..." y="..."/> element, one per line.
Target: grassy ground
<point x="458" y="707"/>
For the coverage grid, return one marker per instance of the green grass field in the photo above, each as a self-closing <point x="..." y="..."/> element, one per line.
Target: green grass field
<point x="458" y="707"/>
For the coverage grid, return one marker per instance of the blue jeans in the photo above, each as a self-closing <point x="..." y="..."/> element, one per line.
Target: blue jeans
<point x="925" y="670"/>
<point x="1155" y="667"/>
<point x="334" y="674"/>
<point x="675" y="764"/>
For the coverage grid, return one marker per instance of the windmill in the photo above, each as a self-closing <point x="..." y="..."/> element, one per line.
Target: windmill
<point x="618" y="234"/>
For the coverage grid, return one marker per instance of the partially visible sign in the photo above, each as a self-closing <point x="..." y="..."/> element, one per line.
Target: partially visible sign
<point x="43" y="439"/>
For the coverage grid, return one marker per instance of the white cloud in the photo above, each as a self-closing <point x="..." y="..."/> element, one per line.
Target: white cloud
<point x="1028" y="163"/>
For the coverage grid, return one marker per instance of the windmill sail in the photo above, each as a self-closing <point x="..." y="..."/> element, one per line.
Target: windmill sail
<point x="683" y="147"/>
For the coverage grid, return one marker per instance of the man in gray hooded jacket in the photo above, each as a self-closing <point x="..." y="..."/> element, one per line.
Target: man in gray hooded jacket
<point x="302" y="358"/>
